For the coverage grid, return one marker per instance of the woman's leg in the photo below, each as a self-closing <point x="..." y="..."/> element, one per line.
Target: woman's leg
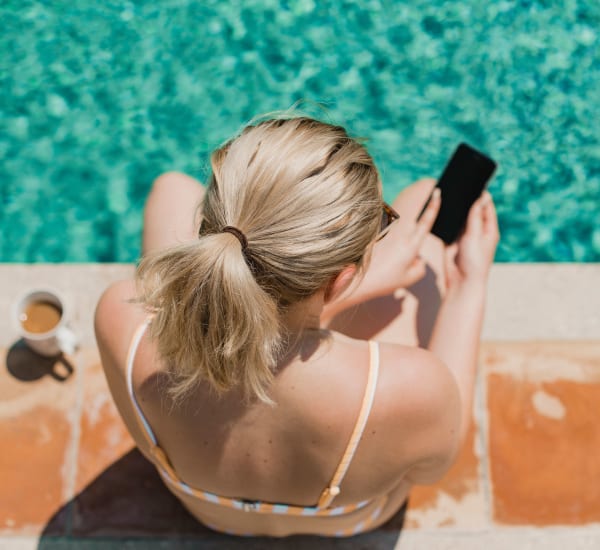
<point x="407" y="316"/>
<point x="172" y="214"/>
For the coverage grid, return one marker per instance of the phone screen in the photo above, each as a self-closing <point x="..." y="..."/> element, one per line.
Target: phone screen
<point x="461" y="183"/>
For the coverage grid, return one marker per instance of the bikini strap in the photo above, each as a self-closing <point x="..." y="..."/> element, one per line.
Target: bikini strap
<point x="155" y="450"/>
<point x="133" y="346"/>
<point x="333" y="489"/>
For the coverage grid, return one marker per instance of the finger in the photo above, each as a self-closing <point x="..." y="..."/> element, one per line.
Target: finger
<point x="450" y="261"/>
<point x="474" y="219"/>
<point x="415" y="271"/>
<point x="486" y="197"/>
<point x="490" y="218"/>
<point x="426" y="221"/>
<point x="450" y="252"/>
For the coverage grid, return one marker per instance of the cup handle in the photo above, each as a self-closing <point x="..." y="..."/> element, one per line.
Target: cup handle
<point x="67" y="340"/>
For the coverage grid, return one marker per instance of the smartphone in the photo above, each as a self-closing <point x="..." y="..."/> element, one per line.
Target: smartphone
<point x="461" y="183"/>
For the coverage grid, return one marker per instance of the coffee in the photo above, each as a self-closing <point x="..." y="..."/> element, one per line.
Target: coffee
<point x="40" y="316"/>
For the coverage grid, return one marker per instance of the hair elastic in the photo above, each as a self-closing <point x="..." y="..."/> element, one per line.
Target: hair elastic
<point x="238" y="234"/>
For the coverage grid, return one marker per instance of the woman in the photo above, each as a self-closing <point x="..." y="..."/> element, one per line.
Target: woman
<point x="266" y="358"/>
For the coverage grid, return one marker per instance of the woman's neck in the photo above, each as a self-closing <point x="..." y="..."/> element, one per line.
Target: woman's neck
<point x="302" y="327"/>
<point x="304" y="316"/>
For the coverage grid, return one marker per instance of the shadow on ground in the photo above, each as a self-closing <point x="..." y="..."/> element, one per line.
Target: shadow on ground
<point x="27" y="366"/>
<point x="128" y="506"/>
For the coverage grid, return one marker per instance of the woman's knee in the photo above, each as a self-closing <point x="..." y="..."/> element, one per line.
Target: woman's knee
<point x="172" y="191"/>
<point x="174" y="182"/>
<point x="411" y="199"/>
<point x="171" y="214"/>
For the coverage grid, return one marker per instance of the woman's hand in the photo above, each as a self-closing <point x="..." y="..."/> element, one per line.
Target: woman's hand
<point x="470" y="259"/>
<point x="394" y="261"/>
<point x="399" y="249"/>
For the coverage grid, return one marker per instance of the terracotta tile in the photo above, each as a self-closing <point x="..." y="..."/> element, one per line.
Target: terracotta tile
<point x="104" y="438"/>
<point x="118" y="491"/>
<point x="544" y="440"/>
<point x="37" y="414"/>
<point x="456" y="500"/>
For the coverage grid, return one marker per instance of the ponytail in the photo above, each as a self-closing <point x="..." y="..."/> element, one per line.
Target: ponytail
<point x="211" y="319"/>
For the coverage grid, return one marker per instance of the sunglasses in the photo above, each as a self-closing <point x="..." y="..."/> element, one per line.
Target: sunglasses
<point x="388" y="216"/>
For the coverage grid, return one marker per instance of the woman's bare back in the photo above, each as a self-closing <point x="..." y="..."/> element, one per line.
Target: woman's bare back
<point x="286" y="452"/>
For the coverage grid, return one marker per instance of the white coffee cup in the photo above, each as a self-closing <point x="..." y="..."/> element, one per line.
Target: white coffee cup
<point x="40" y="316"/>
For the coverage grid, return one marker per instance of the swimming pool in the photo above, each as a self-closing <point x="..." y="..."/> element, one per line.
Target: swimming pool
<point x="98" y="99"/>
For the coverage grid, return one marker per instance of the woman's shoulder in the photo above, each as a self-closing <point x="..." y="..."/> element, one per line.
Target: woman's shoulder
<point x="115" y="320"/>
<point x="418" y="367"/>
<point x="418" y="408"/>
<point x="412" y="380"/>
<point x="117" y="294"/>
<point x="413" y="383"/>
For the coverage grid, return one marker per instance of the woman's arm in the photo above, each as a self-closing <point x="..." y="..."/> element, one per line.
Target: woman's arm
<point x="441" y="397"/>
<point x="457" y="329"/>
<point x="455" y="340"/>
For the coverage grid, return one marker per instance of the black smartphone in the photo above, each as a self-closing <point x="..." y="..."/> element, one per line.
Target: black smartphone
<point x="461" y="183"/>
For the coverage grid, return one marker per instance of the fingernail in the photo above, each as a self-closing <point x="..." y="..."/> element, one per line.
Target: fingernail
<point x="437" y="193"/>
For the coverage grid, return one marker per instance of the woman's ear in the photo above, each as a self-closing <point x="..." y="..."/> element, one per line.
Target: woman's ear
<point x="340" y="282"/>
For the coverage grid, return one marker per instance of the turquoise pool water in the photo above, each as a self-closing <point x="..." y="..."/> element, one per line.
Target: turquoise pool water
<point x="97" y="99"/>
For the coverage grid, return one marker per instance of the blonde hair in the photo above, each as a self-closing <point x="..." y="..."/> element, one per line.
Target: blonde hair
<point x="307" y="198"/>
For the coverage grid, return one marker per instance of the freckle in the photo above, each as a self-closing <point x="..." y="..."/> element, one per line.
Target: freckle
<point x="374" y="432"/>
<point x="270" y="442"/>
<point x="247" y="454"/>
<point x="265" y="460"/>
<point x="206" y="442"/>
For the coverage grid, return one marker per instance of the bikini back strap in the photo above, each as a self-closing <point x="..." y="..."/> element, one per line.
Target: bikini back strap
<point x="153" y="447"/>
<point x="333" y="489"/>
<point x="143" y="423"/>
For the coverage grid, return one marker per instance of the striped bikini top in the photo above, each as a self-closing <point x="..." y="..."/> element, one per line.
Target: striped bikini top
<point x="323" y="506"/>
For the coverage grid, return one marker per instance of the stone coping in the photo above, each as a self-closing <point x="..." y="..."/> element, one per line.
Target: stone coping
<point x="525" y="301"/>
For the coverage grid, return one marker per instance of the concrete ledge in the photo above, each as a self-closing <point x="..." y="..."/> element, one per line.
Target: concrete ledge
<point x="543" y="302"/>
<point x="525" y="301"/>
